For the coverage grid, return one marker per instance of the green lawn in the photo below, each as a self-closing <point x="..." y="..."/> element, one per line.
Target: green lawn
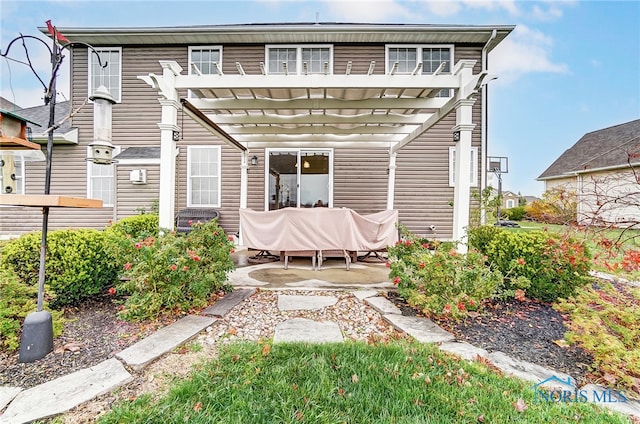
<point x="398" y="382"/>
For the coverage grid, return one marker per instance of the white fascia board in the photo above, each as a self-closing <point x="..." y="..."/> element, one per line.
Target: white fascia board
<point x="70" y="137"/>
<point x="591" y="170"/>
<point x="312" y="81"/>
<point x="140" y="161"/>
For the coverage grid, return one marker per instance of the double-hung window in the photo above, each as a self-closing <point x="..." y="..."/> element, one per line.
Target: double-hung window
<point x="299" y="59"/>
<point x="107" y="71"/>
<point x="100" y="180"/>
<point x="405" y="60"/>
<point x="203" y="176"/>
<point x="473" y="177"/>
<point x="205" y="60"/>
<point x="11" y="175"/>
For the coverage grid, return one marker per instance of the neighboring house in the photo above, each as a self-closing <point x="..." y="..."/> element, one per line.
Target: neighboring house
<point x="266" y="116"/>
<point x="510" y="199"/>
<point x="601" y="169"/>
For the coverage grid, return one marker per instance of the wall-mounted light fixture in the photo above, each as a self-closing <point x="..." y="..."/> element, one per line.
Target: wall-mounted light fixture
<point x="254" y="160"/>
<point x="456" y="136"/>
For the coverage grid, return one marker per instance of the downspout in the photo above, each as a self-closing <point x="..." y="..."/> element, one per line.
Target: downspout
<point x="485" y="124"/>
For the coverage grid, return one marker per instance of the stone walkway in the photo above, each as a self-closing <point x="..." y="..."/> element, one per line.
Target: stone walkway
<point x="60" y="395"/>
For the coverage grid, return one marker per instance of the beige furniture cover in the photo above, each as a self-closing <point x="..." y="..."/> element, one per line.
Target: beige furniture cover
<point x="318" y="229"/>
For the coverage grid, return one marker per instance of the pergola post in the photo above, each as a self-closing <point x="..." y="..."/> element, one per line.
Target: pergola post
<point x="391" y="185"/>
<point x="461" y="191"/>
<point x="168" y="127"/>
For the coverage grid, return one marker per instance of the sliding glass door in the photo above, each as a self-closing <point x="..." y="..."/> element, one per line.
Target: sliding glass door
<point x="299" y="178"/>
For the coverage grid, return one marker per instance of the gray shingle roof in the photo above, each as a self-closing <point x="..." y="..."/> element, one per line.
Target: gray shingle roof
<point x="40" y="115"/>
<point x="605" y="148"/>
<point x="139" y="153"/>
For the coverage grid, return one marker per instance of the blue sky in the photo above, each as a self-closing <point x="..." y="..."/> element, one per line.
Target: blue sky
<point x="569" y="68"/>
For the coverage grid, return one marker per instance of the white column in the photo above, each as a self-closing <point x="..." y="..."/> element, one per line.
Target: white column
<point x="391" y="185"/>
<point x="169" y="123"/>
<point x="244" y="179"/>
<point x="462" y="172"/>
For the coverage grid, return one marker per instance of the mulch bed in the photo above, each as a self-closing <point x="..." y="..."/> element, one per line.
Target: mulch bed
<point x="92" y="334"/>
<point x="525" y="330"/>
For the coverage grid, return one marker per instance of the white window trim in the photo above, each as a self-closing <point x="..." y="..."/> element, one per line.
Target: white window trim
<point x="92" y="57"/>
<point x="116" y="151"/>
<point x="474" y="167"/>
<point x="418" y="48"/>
<point x="298" y="47"/>
<point x="298" y="150"/>
<point x="190" y="149"/>
<point x="192" y="48"/>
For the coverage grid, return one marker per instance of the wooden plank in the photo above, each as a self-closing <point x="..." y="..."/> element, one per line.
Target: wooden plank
<point x="50" y="200"/>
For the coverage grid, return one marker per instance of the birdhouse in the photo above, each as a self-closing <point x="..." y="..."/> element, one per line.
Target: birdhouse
<point x="15" y="144"/>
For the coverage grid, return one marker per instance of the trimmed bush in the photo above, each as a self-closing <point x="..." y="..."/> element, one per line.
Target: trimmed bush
<point x="137" y="226"/>
<point x="441" y="282"/>
<point x="479" y="238"/>
<point x="78" y="264"/>
<point x="175" y="272"/>
<point x="554" y="266"/>
<point x="515" y="214"/>
<point x="17" y="301"/>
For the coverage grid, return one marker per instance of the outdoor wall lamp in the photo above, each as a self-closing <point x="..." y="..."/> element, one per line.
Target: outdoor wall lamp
<point x="254" y="160"/>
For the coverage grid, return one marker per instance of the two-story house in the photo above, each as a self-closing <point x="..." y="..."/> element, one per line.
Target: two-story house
<point x="266" y="116"/>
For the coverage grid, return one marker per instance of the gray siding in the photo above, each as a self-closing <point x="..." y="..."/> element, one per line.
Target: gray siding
<point x="422" y="192"/>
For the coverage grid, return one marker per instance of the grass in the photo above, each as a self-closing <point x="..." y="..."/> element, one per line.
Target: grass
<point x="397" y="382"/>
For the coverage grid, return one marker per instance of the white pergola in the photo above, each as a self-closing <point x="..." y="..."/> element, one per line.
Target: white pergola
<point x="318" y="110"/>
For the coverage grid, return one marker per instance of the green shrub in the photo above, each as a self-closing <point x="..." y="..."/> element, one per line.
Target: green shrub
<point x="137" y="226"/>
<point x="515" y="214"/>
<point x="78" y="264"/>
<point x="17" y="301"/>
<point x="554" y="266"/>
<point x="175" y="272"/>
<point x="479" y="238"/>
<point x="441" y="282"/>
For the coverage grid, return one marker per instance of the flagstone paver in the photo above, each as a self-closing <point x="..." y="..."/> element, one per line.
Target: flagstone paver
<point x="464" y="350"/>
<point x="299" y="303"/>
<point x="64" y="393"/>
<point x="307" y="331"/>
<point x="611" y="399"/>
<point x="383" y="305"/>
<point x="164" y="340"/>
<point x="363" y="294"/>
<point x="526" y="370"/>
<point x="7" y="394"/>
<point x="422" y="329"/>
<point x="223" y="306"/>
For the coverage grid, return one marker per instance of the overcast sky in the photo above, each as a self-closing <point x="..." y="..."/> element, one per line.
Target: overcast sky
<point x="569" y="68"/>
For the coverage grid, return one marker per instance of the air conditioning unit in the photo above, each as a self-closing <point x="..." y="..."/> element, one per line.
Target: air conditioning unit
<point x="138" y="176"/>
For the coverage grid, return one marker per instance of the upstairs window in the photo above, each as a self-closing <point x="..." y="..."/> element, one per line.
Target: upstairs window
<point x="432" y="57"/>
<point x="204" y="59"/>
<point x="110" y="75"/>
<point x="299" y="59"/>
